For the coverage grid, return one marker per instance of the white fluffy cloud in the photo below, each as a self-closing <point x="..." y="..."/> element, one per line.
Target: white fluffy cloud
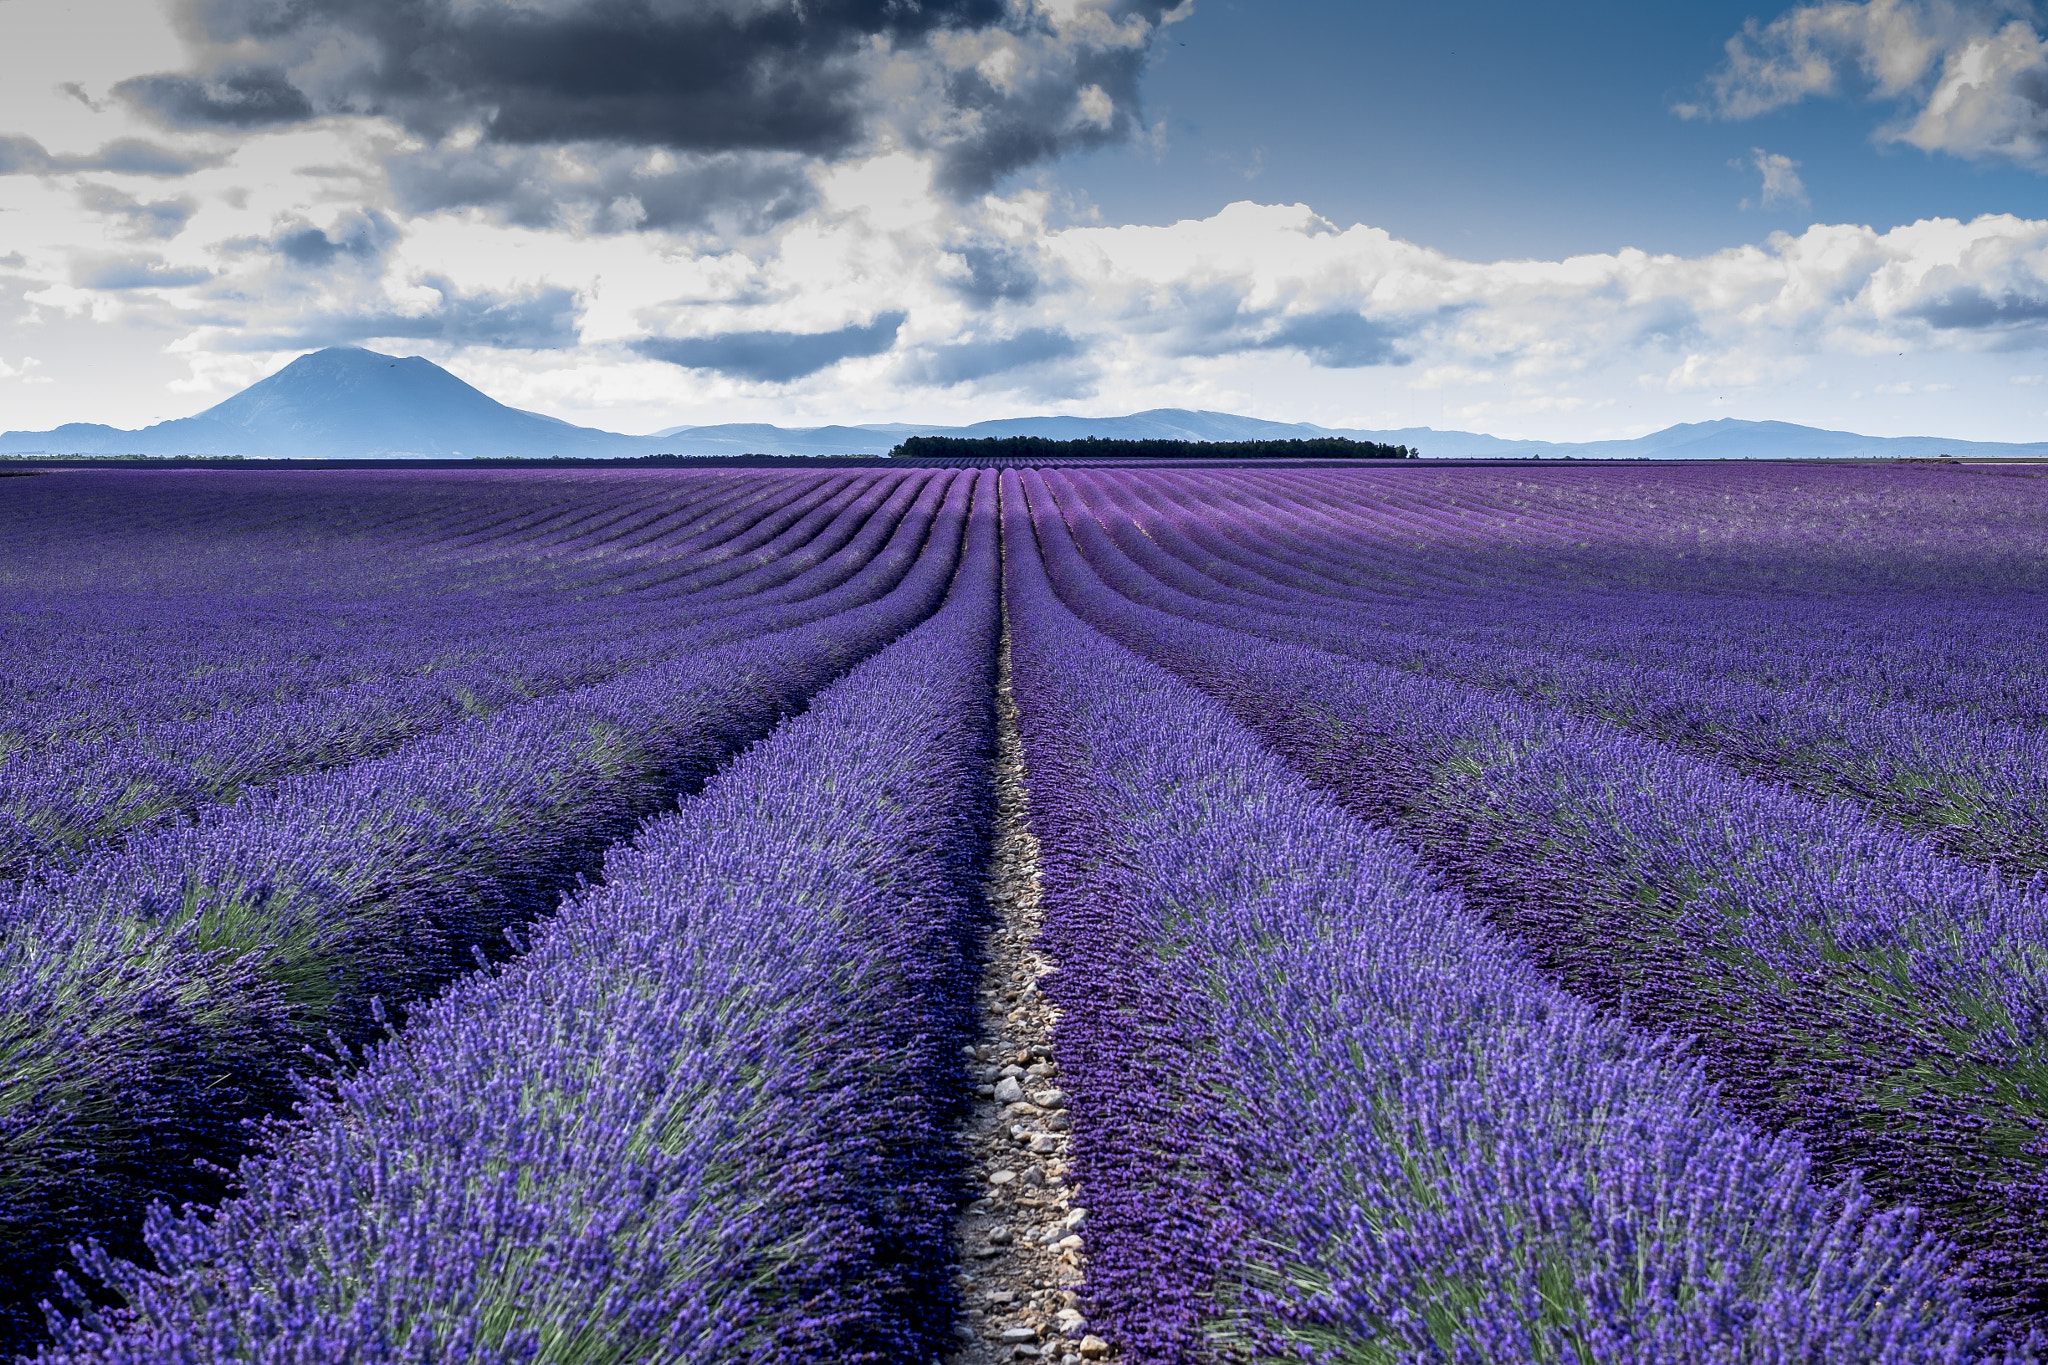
<point x="1971" y="79"/>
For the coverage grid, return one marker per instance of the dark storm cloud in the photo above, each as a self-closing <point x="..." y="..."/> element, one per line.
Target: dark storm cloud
<point x="752" y="79"/>
<point x="262" y="98"/>
<point x="613" y="189"/>
<point x="703" y="75"/>
<point x="1040" y="118"/>
<point x="541" y="319"/>
<point x="948" y="365"/>
<point x="163" y="218"/>
<point x="775" y="357"/>
<point x="123" y="156"/>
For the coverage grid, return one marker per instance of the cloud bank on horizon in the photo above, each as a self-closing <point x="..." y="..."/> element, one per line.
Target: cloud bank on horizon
<point x="638" y="213"/>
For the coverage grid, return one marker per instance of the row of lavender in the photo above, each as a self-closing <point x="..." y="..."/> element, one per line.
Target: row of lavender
<point x="1849" y="983"/>
<point x="706" y="1117"/>
<point x="164" y="991"/>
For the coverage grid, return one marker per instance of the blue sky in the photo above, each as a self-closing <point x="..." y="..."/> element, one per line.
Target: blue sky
<point x="1565" y="222"/>
<point x="1508" y="131"/>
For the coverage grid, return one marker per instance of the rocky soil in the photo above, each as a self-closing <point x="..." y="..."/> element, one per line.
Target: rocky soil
<point x="1023" y="1243"/>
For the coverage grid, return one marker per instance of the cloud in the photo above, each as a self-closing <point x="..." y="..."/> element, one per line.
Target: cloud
<point x="1972" y="308"/>
<point x="740" y="93"/>
<point x="537" y="319"/>
<point x="78" y="92"/>
<point x="1264" y="278"/>
<point x="991" y="274"/>
<point x="775" y="357"/>
<point x="161" y="219"/>
<point x="138" y="271"/>
<point x="123" y="156"/>
<point x="1241" y="295"/>
<point x="1804" y="52"/>
<point x="262" y="97"/>
<point x="1780" y="173"/>
<point x="710" y="76"/>
<point x="1054" y="81"/>
<point x="360" y="238"/>
<point x="593" y="187"/>
<point x="965" y="362"/>
<point x="1991" y="100"/>
<point x="1971" y="79"/>
<point x="1337" y="340"/>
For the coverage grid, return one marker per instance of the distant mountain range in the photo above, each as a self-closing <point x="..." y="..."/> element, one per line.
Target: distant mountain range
<point x="348" y="403"/>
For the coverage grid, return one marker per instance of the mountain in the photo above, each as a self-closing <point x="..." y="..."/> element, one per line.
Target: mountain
<point x="348" y="403"/>
<point x="1172" y="424"/>
<point x="1726" y="439"/>
<point x="344" y="403"/>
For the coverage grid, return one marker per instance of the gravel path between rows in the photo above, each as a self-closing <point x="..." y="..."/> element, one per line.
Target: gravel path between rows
<point x="1022" y="1244"/>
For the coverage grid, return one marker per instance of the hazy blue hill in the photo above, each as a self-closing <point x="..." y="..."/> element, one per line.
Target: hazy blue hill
<point x="1172" y="424"/>
<point x="1730" y="438"/>
<point x="344" y="403"/>
<point x="1160" y="424"/>
<point x="760" y="438"/>
<point x="348" y="403"/>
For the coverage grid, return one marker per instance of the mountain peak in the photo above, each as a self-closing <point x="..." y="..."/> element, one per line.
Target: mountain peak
<point x="384" y="398"/>
<point x="349" y="403"/>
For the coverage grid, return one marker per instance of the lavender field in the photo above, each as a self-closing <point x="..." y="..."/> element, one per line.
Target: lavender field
<point x="1223" y="914"/>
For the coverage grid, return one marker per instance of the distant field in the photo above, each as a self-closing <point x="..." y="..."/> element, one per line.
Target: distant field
<point x="1372" y="912"/>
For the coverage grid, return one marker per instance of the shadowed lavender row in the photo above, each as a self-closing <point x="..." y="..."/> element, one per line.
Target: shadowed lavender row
<point x="191" y="630"/>
<point x="155" y="996"/>
<point x="57" y="800"/>
<point x="1937" y="605"/>
<point x="1322" y="1114"/>
<point x="125" y="625"/>
<point x="1848" y="982"/>
<point x="1977" y="786"/>
<point x="707" y="1117"/>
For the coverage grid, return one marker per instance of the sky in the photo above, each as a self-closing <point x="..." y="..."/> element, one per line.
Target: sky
<point x="1566" y="222"/>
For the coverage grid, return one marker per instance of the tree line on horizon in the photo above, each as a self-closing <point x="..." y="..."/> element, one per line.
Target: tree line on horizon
<point x="1098" y="447"/>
